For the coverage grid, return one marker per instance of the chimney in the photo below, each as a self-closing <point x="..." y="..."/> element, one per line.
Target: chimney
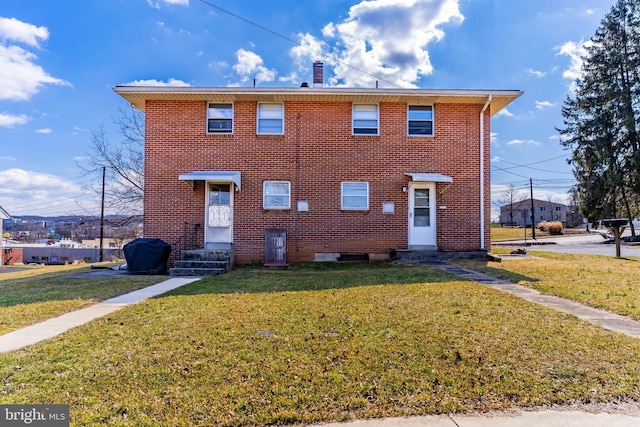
<point x="318" y="78"/>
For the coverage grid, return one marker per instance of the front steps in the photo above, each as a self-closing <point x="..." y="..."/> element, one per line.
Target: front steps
<point x="203" y="262"/>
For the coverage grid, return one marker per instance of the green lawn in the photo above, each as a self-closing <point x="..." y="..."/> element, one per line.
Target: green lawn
<point x="38" y="293"/>
<point x="598" y="281"/>
<point x="321" y="343"/>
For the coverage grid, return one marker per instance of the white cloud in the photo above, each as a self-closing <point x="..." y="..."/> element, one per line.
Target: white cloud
<point x="157" y="5"/>
<point x="44" y="130"/>
<point x="7" y="158"/>
<point x="251" y="66"/>
<point x="153" y="82"/>
<point x="541" y="105"/>
<point x="536" y="73"/>
<point x="20" y="77"/>
<point x="26" y="192"/>
<point x="504" y="113"/>
<point x="494" y="138"/>
<point x="22" y="32"/>
<point x="524" y="141"/>
<point x="575" y="51"/>
<point x="8" y="120"/>
<point x="387" y="39"/>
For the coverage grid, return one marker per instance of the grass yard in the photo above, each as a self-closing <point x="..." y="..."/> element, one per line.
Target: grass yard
<point x="321" y="343"/>
<point x="35" y="294"/>
<point x="598" y="281"/>
<point x="501" y="234"/>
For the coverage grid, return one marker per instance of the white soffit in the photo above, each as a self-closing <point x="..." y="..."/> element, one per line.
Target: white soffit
<point x="429" y="177"/>
<point x="213" y="176"/>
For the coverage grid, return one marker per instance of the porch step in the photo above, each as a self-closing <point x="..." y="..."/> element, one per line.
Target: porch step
<point x="203" y="262"/>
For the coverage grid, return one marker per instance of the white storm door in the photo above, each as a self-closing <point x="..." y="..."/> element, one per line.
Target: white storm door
<point x="422" y="216"/>
<point x="219" y="213"/>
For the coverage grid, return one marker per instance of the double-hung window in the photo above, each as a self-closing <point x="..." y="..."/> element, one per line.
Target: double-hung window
<point x="270" y="118"/>
<point x="365" y="119"/>
<point x="219" y="118"/>
<point x="276" y="195"/>
<point x="355" y="196"/>
<point x="420" y="120"/>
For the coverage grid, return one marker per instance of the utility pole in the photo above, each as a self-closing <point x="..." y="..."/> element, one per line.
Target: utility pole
<point x="533" y="217"/>
<point x="104" y="171"/>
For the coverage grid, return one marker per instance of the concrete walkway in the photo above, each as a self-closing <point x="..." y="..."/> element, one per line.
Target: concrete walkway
<point x="56" y="326"/>
<point x="605" y="319"/>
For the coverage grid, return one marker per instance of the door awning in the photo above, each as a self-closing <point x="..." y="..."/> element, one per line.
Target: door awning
<point x="214" y="176"/>
<point x="429" y="177"/>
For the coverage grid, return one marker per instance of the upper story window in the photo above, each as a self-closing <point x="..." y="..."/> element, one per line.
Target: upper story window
<point x="276" y="195"/>
<point x="220" y="118"/>
<point x="270" y="118"/>
<point x="365" y="119"/>
<point x="420" y="120"/>
<point x="355" y="196"/>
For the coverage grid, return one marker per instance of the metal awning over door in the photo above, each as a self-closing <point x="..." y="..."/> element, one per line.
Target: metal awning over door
<point x="212" y="176"/>
<point x="429" y="177"/>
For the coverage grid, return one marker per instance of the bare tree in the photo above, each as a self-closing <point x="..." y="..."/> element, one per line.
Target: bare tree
<point x="508" y="197"/>
<point x="122" y="161"/>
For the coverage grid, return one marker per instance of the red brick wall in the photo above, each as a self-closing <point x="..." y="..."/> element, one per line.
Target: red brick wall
<point x="316" y="153"/>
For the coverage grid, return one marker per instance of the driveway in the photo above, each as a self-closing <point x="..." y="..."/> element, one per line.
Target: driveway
<point x="592" y="244"/>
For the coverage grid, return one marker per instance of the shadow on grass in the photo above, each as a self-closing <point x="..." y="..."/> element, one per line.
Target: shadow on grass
<point x="483" y="267"/>
<point x="311" y="277"/>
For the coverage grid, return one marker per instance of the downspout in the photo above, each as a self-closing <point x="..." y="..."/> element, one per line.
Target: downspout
<point x="482" y="219"/>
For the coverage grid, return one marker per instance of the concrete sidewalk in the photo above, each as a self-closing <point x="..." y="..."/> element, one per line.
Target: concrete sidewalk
<point x="56" y="326"/>
<point x="544" y="418"/>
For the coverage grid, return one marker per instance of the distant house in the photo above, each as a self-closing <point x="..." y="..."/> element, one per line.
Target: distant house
<point x="3" y="215"/>
<point x="328" y="171"/>
<point x="519" y="213"/>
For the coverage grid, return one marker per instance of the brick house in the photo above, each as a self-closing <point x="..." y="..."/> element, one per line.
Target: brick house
<point x="333" y="171"/>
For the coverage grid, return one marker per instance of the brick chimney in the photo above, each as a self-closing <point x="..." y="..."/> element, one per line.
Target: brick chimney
<point x="318" y="77"/>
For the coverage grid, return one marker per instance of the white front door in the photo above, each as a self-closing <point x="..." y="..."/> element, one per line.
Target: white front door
<point x="219" y="213"/>
<point x="422" y="215"/>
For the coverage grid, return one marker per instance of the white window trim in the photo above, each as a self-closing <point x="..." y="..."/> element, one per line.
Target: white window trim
<point x="258" y="119"/>
<point x="233" y="118"/>
<point x="342" y="195"/>
<point x="264" y="195"/>
<point x="433" y="121"/>
<point x="353" y="127"/>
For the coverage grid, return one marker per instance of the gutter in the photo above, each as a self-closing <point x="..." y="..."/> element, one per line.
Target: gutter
<point x="482" y="218"/>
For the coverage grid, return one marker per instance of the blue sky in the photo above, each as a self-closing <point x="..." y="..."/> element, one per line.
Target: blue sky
<point x="60" y="59"/>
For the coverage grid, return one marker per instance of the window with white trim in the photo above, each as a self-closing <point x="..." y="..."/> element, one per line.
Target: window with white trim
<point x="276" y="195"/>
<point x="270" y="118"/>
<point x="355" y="196"/>
<point x="420" y="120"/>
<point x="219" y="118"/>
<point x="365" y="119"/>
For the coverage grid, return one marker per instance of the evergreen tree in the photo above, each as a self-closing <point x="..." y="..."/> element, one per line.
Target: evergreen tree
<point x="601" y="118"/>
